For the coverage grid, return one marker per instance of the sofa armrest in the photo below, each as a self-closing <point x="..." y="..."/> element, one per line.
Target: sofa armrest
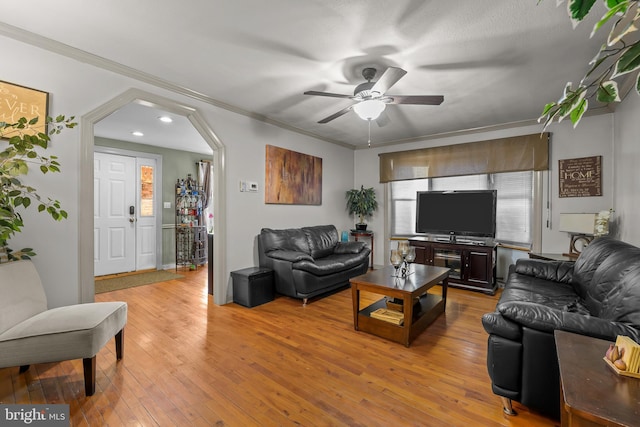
<point x="555" y="271"/>
<point x="542" y="318"/>
<point x="291" y="256"/>
<point x="496" y="324"/>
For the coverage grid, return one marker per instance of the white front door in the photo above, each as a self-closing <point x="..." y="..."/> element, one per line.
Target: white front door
<point x="114" y="225"/>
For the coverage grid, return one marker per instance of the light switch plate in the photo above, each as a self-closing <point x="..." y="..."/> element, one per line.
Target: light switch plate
<point x="166" y="205"/>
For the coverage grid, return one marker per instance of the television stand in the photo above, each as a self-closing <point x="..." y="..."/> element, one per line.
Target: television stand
<point x="472" y="265"/>
<point x="460" y="241"/>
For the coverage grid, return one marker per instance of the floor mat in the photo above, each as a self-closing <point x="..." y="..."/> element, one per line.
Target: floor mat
<point x="133" y="280"/>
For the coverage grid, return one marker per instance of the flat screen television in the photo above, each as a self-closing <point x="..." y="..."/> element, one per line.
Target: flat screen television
<point x="457" y="213"/>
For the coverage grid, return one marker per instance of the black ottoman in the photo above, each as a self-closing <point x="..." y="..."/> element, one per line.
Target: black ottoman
<point x="252" y="286"/>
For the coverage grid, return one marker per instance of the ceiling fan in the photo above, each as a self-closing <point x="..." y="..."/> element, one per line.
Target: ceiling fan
<point x="371" y="99"/>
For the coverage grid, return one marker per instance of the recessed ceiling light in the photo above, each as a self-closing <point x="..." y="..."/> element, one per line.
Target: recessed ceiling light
<point x="165" y="119"/>
<point x="137" y="133"/>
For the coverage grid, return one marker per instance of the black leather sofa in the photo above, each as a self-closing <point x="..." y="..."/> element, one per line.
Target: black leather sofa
<point x="310" y="261"/>
<point x="597" y="296"/>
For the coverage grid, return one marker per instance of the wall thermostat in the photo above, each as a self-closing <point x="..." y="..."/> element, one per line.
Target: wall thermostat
<point x="249" y="186"/>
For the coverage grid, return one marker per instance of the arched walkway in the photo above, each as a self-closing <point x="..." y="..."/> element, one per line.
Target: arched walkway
<point x="86" y="204"/>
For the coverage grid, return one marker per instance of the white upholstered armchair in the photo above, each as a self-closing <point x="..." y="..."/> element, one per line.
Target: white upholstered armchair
<point x="31" y="333"/>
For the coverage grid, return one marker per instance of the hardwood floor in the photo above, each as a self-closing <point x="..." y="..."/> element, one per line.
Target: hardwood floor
<point x="190" y="362"/>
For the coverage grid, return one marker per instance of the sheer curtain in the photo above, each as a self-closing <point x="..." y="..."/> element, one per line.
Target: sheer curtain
<point x="205" y="174"/>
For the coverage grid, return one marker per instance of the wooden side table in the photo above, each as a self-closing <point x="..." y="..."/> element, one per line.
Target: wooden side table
<point x="367" y="234"/>
<point x="591" y="393"/>
<point x="550" y="257"/>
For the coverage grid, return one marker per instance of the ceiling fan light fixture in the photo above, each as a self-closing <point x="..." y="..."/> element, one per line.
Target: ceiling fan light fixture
<point x="369" y="109"/>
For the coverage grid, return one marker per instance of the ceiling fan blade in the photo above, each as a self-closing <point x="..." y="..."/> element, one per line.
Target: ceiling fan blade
<point x="416" y="100"/>
<point x="336" y="115"/>
<point x="383" y="119"/>
<point x="333" y="95"/>
<point x="388" y="79"/>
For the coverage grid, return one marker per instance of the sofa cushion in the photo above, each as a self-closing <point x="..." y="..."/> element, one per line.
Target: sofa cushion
<point x="332" y="264"/>
<point x="523" y="288"/>
<point x="22" y="293"/>
<point x="291" y="256"/>
<point x="607" y="280"/>
<point x="321" y="239"/>
<point x="622" y="304"/>
<point x="590" y="259"/>
<point x="69" y="332"/>
<point x="291" y="239"/>
<point x="556" y="271"/>
<point x="348" y="248"/>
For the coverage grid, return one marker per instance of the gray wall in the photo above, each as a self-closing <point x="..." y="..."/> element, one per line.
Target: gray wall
<point x="627" y="173"/>
<point x="78" y="88"/>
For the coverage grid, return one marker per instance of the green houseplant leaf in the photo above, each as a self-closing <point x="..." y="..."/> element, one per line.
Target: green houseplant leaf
<point x="618" y="7"/>
<point x="361" y="202"/>
<point x="578" y="111"/>
<point x="608" y="92"/>
<point x="21" y="141"/>
<point x="578" y="9"/>
<point x="629" y="61"/>
<point x="618" y="57"/>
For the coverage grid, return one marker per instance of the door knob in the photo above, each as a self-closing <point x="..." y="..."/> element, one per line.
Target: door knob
<point x="132" y="219"/>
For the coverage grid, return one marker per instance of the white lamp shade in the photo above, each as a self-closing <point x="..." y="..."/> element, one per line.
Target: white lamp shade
<point x="369" y="109"/>
<point x="581" y="223"/>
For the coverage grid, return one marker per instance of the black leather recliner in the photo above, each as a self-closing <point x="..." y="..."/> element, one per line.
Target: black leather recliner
<point x="597" y="296"/>
<point x="310" y="261"/>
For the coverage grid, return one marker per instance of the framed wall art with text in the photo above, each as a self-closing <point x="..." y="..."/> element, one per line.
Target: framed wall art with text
<point x="18" y="101"/>
<point x="581" y="177"/>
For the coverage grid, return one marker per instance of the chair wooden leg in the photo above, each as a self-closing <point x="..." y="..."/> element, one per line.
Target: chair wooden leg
<point x="24" y="368"/>
<point x="89" y="375"/>
<point x="120" y="344"/>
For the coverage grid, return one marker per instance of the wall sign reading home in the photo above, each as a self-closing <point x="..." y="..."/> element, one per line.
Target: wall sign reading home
<point x="292" y="178"/>
<point x="19" y="101"/>
<point x="581" y="177"/>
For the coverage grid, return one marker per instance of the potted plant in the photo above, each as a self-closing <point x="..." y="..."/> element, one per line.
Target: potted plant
<point x="23" y="139"/>
<point x="618" y="57"/>
<point x="361" y="202"/>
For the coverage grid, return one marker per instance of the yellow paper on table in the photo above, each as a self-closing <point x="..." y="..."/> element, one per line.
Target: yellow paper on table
<point x="630" y="351"/>
<point x="390" y="316"/>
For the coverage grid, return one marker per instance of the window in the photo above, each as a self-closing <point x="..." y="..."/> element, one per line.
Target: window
<point x="146" y="190"/>
<point x="514" y="207"/>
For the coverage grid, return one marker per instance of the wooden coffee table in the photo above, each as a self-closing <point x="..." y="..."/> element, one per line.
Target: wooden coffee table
<point x="420" y="308"/>
<point x="591" y="393"/>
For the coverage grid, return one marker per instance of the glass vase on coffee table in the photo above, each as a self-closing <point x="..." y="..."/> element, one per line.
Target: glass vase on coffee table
<point x="396" y="260"/>
<point x="408" y="254"/>
<point x="408" y="259"/>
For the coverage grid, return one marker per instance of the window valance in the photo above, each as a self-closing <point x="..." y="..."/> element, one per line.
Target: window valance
<point x="518" y="153"/>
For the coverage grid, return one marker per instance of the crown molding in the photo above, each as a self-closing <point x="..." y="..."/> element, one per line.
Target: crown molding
<point x="605" y="109"/>
<point x="80" y="55"/>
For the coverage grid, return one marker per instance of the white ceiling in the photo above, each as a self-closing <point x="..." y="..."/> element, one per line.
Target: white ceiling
<point x="496" y="62"/>
<point x="134" y="117"/>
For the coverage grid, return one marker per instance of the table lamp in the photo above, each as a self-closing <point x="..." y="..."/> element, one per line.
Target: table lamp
<point x="583" y="227"/>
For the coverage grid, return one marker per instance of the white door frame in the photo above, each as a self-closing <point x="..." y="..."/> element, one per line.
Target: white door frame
<point x="157" y="191"/>
<point x="85" y="211"/>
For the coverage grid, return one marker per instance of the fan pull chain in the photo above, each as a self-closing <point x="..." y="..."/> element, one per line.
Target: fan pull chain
<point x="369" y="141"/>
